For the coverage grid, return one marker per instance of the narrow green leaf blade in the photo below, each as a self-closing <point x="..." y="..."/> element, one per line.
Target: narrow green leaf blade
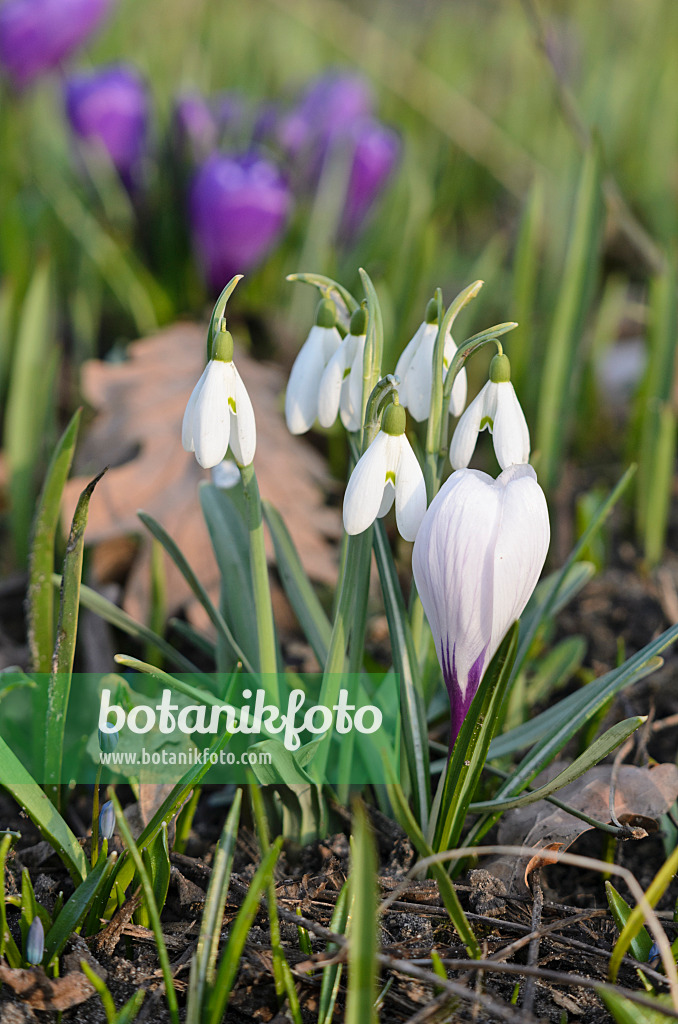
<point x="75" y="909"/>
<point x="362" y="952"/>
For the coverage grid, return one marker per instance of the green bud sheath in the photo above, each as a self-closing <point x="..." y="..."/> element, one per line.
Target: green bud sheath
<point x="500" y="369"/>
<point x="394" y="421"/>
<point x="359" y="321"/>
<point x="431" y="316"/>
<point x="222" y="346"/>
<point x="326" y="314"/>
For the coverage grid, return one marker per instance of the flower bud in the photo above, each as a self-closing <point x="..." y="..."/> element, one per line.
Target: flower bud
<point x="108" y="741"/>
<point x="109" y="108"/>
<point x="238" y="207"/>
<point x="375" y="156"/>
<point x="107" y="820"/>
<point x="36" y="35"/>
<point x="35" y="942"/>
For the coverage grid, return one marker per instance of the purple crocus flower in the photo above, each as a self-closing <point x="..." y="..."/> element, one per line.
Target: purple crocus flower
<point x="36" y="35"/>
<point x="377" y="151"/>
<point x="194" y="126"/>
<point x="110" y="108"/>
<point x="326" y="111"/>
<point x="238" y="206"/>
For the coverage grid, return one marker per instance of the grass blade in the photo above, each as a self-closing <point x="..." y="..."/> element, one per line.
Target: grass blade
<point x="332" y="975"/>
<point x="362" y="951"/>
<point x="64" y="651"/>
<point x="631" y="929"/>
<point x="203" y="964"/>
<point x="75" y="909"/>
<point x="147" y="888"/>
<point x="40" y="608"/>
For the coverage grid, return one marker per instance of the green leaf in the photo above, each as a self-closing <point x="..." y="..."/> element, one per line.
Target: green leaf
<point x="75" y="909"/>
<point x="634" y="923"/>
<point x="196" y="586"/>
<point x="102" y="991"/>
<point x="404" y="659"/>
<point x="297" y="586"/>
<point x="67" y="629"/>
<point x="599" y="749"/>
<point x="332" y="975"/>
<point x="40" y="598"/>
<point x="448" y="895"/>
<point x="626" y="1012"/>
<point x="8" y="946"/>
<point x="152" y="907"/>
<point x="555" y="669"/>
<point x="203" y="964"/>
<point x="641" y="944"/>
<point x="327" y="286"/>
<point x="42" y="813"/>
<point x="230" y="958"/>
<point x="362" y="950"/>
<point x="157" y="862"/>
<point x="28" y="399"/>
<point x="470" y="749"/>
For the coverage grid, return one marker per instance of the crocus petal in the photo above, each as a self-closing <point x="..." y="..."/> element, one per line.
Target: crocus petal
<point x="211" y="419"/>
<point x="243" y="439"/>
<point x="466" y="432"/>
<point x="187" y="424"/>
<point x="522" y="544"/>
<point x="365" y="489"/>
<point x="301" y="400"/>
<point x="410" y="491"/>
<point x="420" y="375"/>
<point x="510" y="435"/>
<point x="330" y="387"/>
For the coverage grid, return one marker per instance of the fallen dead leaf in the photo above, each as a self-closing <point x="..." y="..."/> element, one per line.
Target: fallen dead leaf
<point x="137" y="432"/>
<point x="43" y="993"/>
<point x="642" y="795"/>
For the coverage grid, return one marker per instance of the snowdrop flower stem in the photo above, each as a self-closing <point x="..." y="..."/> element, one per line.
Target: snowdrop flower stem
<point x="218" y="312"/>
<point x="374" y="346"/>
<point x="268" y="655"/>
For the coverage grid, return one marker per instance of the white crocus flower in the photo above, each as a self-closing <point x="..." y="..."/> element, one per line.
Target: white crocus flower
<point x="477" y="558"/>
<point x="496" y="407"/>
<point x="219" y="414"/>
<point x="341" y="385"/>
<point x="301" y="399"/>
<point x="387" y="471"/>
<point x="415" y="370"/>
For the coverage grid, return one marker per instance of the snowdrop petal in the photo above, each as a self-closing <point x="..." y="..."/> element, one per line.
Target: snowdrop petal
<point x="365" y="490"/>
<point x="459" y="392"/>
<point x="511" y="437"/>
<point x="403" y="364"/>
<point x="419" y="376"/>
<point x="243" y="437"/>
<point x="330" y="388"/>
<point x="187" y="424"/>
<point x="211" y="418"/>
<point x="301" y="399"/>
<point x="466" y="432"/>
<point x="387" y="500"/>
<point x="352" y="408"/>
<point x="410" y="491"/>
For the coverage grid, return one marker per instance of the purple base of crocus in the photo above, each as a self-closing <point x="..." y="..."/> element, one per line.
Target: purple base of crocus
<point x="460" y="702"/>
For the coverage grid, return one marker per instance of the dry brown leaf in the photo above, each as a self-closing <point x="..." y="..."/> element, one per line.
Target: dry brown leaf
<point x="140" y="405"/>
<point x="43" y="993"/>
<point x="642" y="795"/>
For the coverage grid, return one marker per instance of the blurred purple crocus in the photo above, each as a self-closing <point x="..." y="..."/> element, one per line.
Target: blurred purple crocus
<point x="238" y="206"/>
<point x="376" y="154"/>
<point x="110" y="108"/>
<point x="36" y="35"/>
<point x="194" y="126"/>
<point x="326" y="111"/>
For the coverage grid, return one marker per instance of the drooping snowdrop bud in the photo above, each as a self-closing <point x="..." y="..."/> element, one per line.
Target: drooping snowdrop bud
<point x="476" y="560"/>
<point x="301" y="399"/>
<point x="415" y="369"/>
<point x="497" y="408"/>
<point x="219" y="414"/>
<point x="35" y="942"/>
<point x="387" y="471"/>
<point x="341" y="385"/>
<point x="107" y="820"/>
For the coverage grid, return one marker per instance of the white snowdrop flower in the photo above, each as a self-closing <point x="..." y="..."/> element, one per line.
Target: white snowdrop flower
<point x="415" y="369"/>
<point x="388" y="471"/>
<point x="219" y="414"/>
<point x="301" y="399"/>
<point x="341" y="385"/>
<point x="496" y="408"/>
<point x="476" y="560"/>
